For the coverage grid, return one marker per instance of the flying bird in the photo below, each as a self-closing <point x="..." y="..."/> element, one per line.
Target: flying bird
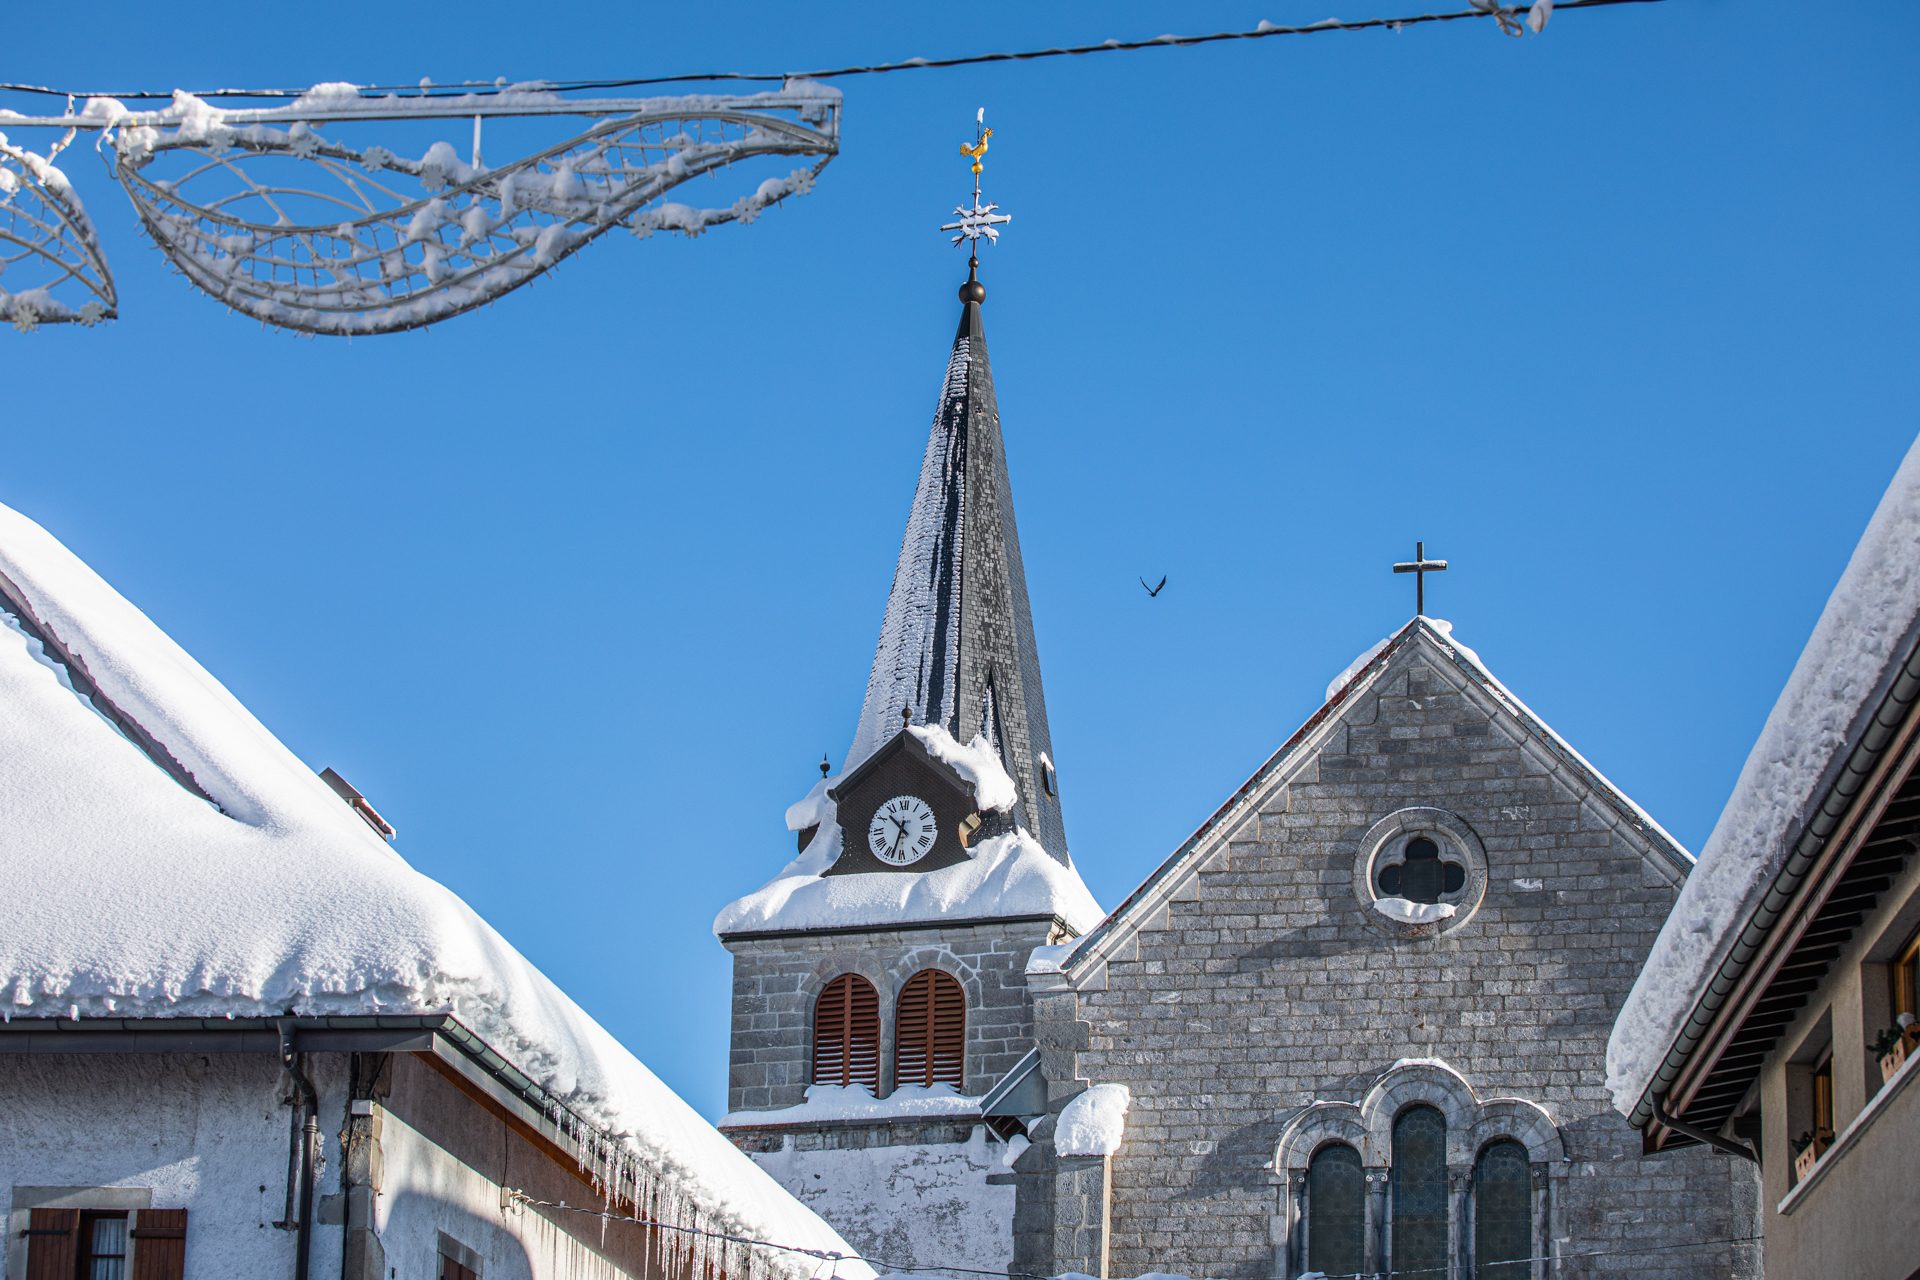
<point x="1155" y="589"/>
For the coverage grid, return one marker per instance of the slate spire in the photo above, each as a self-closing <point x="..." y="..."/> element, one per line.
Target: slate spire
<point x="957" y="645"/>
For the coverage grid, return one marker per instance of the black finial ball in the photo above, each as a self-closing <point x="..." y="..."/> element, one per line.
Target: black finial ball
<point x="973" y="291"/>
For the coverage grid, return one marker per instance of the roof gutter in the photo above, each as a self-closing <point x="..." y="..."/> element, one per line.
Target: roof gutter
<point x="1893" y="709"/>
<point x="1713" y="1140"/>
<point x="438" y="1034"/>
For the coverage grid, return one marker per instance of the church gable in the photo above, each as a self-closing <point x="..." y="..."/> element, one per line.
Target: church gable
<point x="1425" y="904"/>
<point x="1419" y="754"/>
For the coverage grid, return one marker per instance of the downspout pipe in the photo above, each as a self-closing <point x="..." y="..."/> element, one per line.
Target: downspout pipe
<point x="303" y="1159"/>
<point x="1713" y="1140"/>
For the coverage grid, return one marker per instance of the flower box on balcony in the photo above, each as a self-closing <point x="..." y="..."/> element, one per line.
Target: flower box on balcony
<point x="1892" y="1060"/>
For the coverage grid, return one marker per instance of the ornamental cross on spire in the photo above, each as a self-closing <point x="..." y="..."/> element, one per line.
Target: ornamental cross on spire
<point x="980" y="220"/>
<point x="1420" y="567"/>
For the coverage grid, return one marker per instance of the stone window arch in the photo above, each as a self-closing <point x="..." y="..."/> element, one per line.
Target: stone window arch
<point x="1401" y="1224"/>
<point x="846" y="1033"/>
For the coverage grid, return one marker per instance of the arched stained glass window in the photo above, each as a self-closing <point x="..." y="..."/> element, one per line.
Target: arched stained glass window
<point x="846" y="1033"/>
<point x="1336" y="1211"/>
<point x="1502" y="1213"/>
<point x="1418" y="1223"/>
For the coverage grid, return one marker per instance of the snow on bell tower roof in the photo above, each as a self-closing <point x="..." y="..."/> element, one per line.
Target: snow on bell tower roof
<point x="956" y="643"/>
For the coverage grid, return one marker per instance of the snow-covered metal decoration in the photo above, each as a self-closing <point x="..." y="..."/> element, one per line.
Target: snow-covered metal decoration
<point x="290" y="215"/>
<point x="51" y="267"/>
<point x="980" y="221"/>
<point x="289" y="225"/>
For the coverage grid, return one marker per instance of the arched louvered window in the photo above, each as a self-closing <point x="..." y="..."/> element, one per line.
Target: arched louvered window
<point x="1502" y="1213"/>
<point x="846" y="1033"/>
<point x="1418" y="1222"/>
<point x="930" y="1031"/>
<point x="1336" y="1211"/>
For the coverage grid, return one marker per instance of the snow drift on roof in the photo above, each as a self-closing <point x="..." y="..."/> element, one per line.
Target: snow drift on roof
<point x="1008" y="875"/>
<point x="1094" y="1122"/>
<point x="1870" y="614"/>
<point x="331" y="920"/>
<point x="976" y="762"/>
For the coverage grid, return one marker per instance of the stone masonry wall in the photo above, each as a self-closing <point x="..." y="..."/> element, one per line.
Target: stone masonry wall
<point x="1266" y="984"/>
<point x="777" y="979"/>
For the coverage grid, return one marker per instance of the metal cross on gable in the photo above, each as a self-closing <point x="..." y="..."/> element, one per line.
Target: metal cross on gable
<point x="1420" y="567"/>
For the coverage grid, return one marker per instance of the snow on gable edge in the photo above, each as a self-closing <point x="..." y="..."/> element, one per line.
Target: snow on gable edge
<point x="1345" y="688"/>
<point x="1658" y="838"/>
<point x="976" y="762"/>
<point x="1136" y="906"/>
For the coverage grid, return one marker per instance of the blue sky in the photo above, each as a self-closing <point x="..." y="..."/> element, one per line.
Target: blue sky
<point x="577" y="589"/>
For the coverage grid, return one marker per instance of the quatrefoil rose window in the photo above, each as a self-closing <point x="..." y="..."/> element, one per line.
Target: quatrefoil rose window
<point x="1420" y="872"/>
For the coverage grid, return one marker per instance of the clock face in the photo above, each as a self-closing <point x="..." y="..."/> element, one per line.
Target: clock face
<point x="902" y="831"/>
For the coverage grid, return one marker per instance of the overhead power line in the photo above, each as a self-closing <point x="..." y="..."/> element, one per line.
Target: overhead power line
<point x="896" y="1268"/>
<point x="1503" y="13"/>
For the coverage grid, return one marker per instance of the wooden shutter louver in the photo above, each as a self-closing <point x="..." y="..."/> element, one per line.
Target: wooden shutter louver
<point x="846" y="1034"/>
<point x="930" y="1031"/>
<point x="159" y="1244"/>
<point x="53" y="1244"/>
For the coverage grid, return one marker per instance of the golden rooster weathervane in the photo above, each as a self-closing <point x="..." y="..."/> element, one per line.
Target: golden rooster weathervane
<point x="979" y="220"/>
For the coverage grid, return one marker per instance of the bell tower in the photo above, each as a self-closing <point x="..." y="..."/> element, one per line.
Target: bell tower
<point x="879" y="992"/>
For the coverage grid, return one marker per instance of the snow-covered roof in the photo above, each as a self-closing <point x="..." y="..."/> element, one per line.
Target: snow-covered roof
<point x="1868" y="624"/>
<point x="1074" y="957"/>
<point x="1004" y="876"/>
<point x="830" y="1102"/>
<point x="286" y="900"/>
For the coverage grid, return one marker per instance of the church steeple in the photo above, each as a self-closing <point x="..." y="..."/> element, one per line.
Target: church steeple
<point x="956" y="645"/>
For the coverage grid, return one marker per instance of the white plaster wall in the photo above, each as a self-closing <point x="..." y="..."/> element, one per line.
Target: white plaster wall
<point x="913" y="1205"/>
<point x="424" y="1191"/>
<point x="207" y="1133"/>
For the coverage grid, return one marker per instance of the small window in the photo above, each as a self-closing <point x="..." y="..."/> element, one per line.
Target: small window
<point x="103" y="1245"/>
<point x="1906" y="990"/>
<point x="930" y="1031"/>
<point x="1336" y="1211"/>
<point x="457" y="1261"/>
<point x="846" y="1034"/>
<point x="1823" y="1101"/>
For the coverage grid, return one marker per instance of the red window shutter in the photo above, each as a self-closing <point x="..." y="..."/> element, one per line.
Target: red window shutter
<point x="53" y="1244"/>
<point x="846" y="1033"/>
<point x="930" y="1031"/>
<point x="159" y="1244"/>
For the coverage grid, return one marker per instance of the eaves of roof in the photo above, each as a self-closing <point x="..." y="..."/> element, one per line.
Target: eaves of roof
<point x="1847" y="785"/>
